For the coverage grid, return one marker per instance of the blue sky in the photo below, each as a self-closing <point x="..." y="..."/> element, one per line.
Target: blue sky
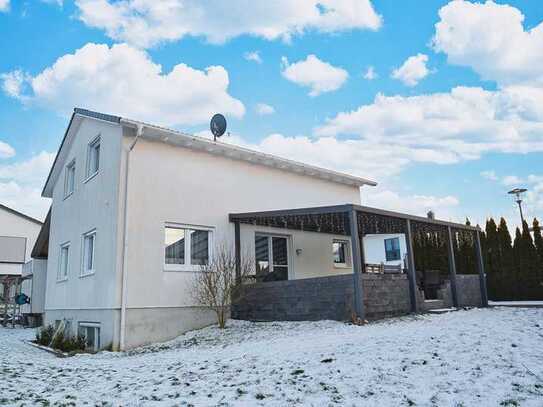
<point x="450" y="121"/>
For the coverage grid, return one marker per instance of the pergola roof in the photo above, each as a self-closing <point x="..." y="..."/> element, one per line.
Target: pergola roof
<point x="334" y="219"/>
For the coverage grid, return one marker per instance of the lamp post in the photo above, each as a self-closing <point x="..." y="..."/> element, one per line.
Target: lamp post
<point x="518" y="194"/>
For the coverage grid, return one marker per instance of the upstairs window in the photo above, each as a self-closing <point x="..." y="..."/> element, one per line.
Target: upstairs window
<point x="392" y="249"/>
<point x="340" y="253"/>
<point x="89" y="243"/>
<point x="64" y="260"/>
<point x="69" y="182"/>
<point x="93" y="157"/>
<point x="186" y="248"/>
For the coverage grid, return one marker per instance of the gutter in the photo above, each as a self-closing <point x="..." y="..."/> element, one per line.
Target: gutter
<point x="124" y="278"/>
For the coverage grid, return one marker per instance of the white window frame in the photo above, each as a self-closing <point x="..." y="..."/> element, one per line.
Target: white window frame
<point x="84" y="271"/>
<point x="63" y="276"/>
<point x="187" y="266"/>
<point x="290" y="272"/>
<point x="96" y="327"/>
<point x="69" y="168"/>
<point x="91" y="146"/>
<point x="347" y="263"/>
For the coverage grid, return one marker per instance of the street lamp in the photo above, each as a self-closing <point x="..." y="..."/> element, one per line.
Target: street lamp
<point x="518" y="194"/>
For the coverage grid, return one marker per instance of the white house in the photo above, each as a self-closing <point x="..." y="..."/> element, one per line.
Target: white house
<point x="18" y="234"/>
<point x="138" y="208"/>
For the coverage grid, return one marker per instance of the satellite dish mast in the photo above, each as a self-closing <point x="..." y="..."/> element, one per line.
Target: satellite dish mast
<point x="217" y="126"/>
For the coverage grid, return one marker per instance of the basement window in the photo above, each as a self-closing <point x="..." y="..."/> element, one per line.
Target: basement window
<point x="91" y="332"/>
<point x="186" y="248"/>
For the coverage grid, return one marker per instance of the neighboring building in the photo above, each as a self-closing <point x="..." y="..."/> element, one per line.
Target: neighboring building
<point x="137" y="209"/>
<point x="18" y="233"/>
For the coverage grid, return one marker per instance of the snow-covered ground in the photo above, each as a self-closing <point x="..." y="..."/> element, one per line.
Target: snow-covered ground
<point x="485" y="357"/>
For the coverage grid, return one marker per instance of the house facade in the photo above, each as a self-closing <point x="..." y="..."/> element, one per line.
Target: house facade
<point x="137" y="209"/>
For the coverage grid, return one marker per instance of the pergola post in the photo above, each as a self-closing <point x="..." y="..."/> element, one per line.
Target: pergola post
<point x="481" y="268"/>
<point x="237" y="249"/>
<point x="452" y="267"/>
<point x="411" y="273"/>
<point x="358" y="262"/>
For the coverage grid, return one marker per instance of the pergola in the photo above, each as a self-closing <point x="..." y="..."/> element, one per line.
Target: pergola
<point x="356" y="221"/>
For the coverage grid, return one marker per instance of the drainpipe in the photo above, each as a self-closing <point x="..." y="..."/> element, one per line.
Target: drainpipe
<point x="122" y="334"/>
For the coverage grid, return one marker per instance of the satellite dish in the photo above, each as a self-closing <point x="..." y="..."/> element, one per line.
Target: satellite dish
<point x="217" y="125"/>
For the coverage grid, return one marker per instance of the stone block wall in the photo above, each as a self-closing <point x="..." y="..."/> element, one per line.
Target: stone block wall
<point x="322" y="298"/>
<point x="469" y="290"/>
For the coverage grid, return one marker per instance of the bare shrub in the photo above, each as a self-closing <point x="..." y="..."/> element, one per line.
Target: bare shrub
<point x="215" y="285"/>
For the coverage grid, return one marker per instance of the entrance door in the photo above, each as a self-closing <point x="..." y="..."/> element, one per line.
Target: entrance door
<point x="271" y="255"/>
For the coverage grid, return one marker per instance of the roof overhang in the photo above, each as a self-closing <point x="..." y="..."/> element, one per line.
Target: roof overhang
<point x="333" y="218"/>
<point x="41" y="247"/>
<point x="180" y="139"/>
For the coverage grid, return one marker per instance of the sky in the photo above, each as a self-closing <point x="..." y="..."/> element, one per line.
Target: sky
<point x="440" y="102"/>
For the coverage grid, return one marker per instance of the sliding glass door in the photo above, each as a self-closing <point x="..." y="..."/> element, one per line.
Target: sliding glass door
<point x="272" y="257"/>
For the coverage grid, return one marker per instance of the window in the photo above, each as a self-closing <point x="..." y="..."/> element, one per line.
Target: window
<point x="271" y="255"/>
<point x="186" y="248"/>
<point x="340" y="252"/>
<point x="392" y="249"/>
<point x="63" y="262"/>
<point x="91" y="332"/>
<point x="89" y="243"/>
<point x="93" y="157"/>
<point x="69" y="182"/>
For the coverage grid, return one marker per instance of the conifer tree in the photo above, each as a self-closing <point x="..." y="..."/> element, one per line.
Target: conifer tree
<point x="538" y="241"/>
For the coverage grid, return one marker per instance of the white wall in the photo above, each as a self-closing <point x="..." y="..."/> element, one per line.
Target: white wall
<point x="34" y="287"/>
<point x="374" y="248"/>
<point x="93" y="205"/>
<point x="17" y="226"/>
<point x="316" y="257"/>
<point x="172" y="184"/>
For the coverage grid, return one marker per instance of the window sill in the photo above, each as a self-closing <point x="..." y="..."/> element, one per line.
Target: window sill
<point x="341" y="266"/>
<point x="87" y="275"/>
<point x="62" y="280"/>
<point x="90" y="177"/>
<point x="184" y="268"/>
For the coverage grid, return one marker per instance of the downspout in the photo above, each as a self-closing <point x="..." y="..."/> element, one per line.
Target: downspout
<point x="122" y="333"/>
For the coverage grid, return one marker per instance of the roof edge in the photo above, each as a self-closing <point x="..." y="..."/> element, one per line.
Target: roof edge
<point x="20" y="214"/>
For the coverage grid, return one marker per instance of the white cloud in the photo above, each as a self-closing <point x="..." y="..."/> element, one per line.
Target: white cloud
<point x="491" y="39"/>
<point x="447" y="127"/>
<point x="490" y="175"/>
<point x="443" y="207"/>
<point x="318" y="75"/>
<point x="370" y="74"/>
<point x="413" y="70"/>
<point x="124" y="80"/>
<point x="21" y="183"/>
<point x="253" y="56"/>
<point x="511" y="180"/>
<point x="264" y="109"/>
<point x="148" y="22"/>
<point x="6" y="151"/>
<point x="12" y="82"/>
<point x="4" y="5"/>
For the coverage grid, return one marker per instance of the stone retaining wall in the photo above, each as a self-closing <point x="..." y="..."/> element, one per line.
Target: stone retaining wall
<point x="469" y="290"/>
<point x="322" y="298"/>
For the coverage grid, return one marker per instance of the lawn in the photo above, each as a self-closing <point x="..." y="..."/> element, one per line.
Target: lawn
<point x="488" y="357"/>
